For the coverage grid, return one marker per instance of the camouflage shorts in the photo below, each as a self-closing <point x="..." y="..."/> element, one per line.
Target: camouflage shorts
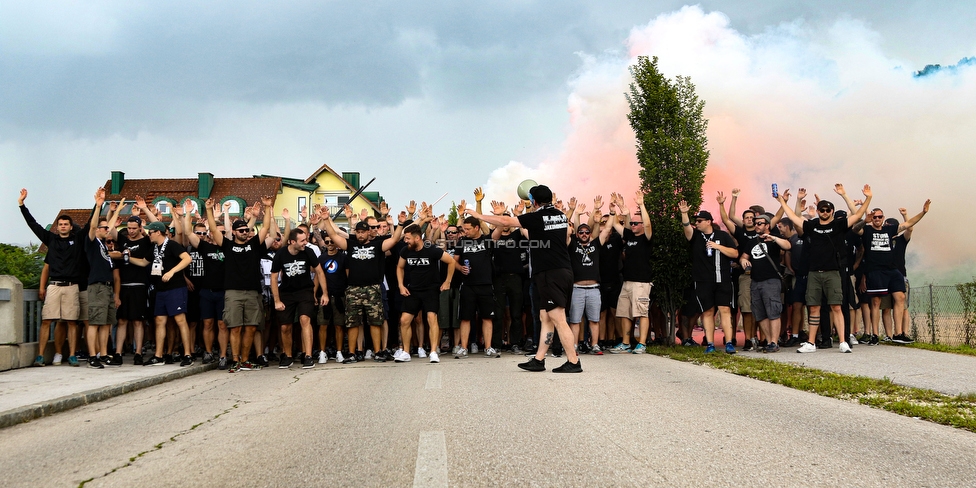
<point x="364" y="299"/>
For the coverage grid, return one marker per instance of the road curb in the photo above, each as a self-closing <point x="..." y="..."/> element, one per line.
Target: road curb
<point x="27" y="413"/>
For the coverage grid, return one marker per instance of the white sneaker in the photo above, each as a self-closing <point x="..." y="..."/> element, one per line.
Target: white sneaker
<point x="492" y="353"/>
<point x="421" y="353"/>
<point x="455" y="350"/>
<point x="434" y="358"/>
<point x="369" y="354"/>
<point x="57" y="360"/>
<point x="844" y="347"/>
<point x="401" y="357"/>
<point x="323" y="358"/>
<point x="852" y="340"/>
<point x="462" y="353"/>
<point x="807" y="347"/>
<point x="339" y="357"/>
<point x="474" y="348"/>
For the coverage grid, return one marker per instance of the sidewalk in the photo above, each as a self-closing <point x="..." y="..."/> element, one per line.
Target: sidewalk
<point x="30" y="393"/>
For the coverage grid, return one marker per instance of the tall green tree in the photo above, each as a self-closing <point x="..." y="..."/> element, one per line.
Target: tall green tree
<point x="23" y="262"/>
<point x="672" y="150"/>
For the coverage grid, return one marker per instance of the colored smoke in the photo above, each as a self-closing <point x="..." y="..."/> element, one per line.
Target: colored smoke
<point x="798" y="105"/>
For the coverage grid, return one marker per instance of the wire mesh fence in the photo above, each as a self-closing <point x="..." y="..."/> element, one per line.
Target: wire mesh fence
<point x="943" y="314"/>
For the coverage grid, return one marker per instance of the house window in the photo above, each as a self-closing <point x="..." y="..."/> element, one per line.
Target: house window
<point x="236" y="205"/>
<point x="195" y="206"/>
<point x="164" y="205"/>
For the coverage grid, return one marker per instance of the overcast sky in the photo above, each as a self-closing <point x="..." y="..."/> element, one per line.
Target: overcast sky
<point x="428" y="97"/>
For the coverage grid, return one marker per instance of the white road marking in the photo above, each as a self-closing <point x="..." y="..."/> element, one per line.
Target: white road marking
<point x="431" y="469"/>
<point x="433" y="380"/>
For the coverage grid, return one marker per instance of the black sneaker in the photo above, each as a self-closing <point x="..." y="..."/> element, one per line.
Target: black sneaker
<point x="308" y="362"/>
<point x="569" y="367"/>
<point x="81" y="355"/>
<point x="187" y="360"/>
<point x="874" y="340"/>
<point x="114" y="361"/>
<point x="349" y="359"/>
<point x="93" y="362"/>
<point x="208" y="357"/>
<point x="284" y="362"/>
<point x="167" y="358"/>
<point x="272" y="357"/>
<point x="262" y="361"/>
<point x="748" y="345"/>
<point x="360" y="357"/>
<point x="222" y="363"/>
<point x="155" y="361"/>
<point x="137" y="359"/>
<point x="533" y="365"/>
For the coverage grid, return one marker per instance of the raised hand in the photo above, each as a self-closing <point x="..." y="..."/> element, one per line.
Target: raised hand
<point x="903" y="211"/>
<point x="347" y="210"/>
<point x="462" y="208"/>
<point x="179" y="210"/>
<point x="519" y="208"/>
<point x="402" y="218"/>
<point x="638" y="199"/>
<point x="23" y="196"/>
<point x="926" y="205"/>
<point x="479" y="195"/>
<point x="683" y="207"/>
<point x="364" y="214"/>
<point x="100" y="196"/>
<point x="786" y="195"/>
<point x="303" y="212"/>
<point x="735" y="192"/>
<point x="801" y="193"/>
<point x="412" y="208"/>
<point x="572" y="203"/>
<point x="285" y="214"/>
<point x="598" y="203"/>
<point x="384" y="209"/>
<point x="187" y="206"/>
<point x="581" y="209"/>
<point x="266" y="201"/>
<point x="140" y="202"/>
<point x="720" y="198"/>
<point x="498" y="208"/>
<point x="866" y="191"/>
<point x="839" y="189"/>
<point x="112" y="206"/>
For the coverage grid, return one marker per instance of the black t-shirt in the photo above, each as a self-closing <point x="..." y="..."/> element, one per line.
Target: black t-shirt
<point x="798" y="255"/>
<point x="744" y="238"/>
<point x="138" y="248"/>
<point x="610" y="259"/>
<point x="242" y="264"/>
<point x="709" y="265"/>
<point x="547" y="226"/>
<point x="901" y="245"/>
<point x="826" y="243"/>
<point x="879" y="249"/>
<point x="99" y="262"/>
<point x="294" y="270"/>
<point x="334" y="267"/>
<point x="195" y="271"/>
<point x="169" y="256"/>
<point x="476" y="253"/>
<point x="762" y="268"/>
<point x="508" y="253"/>
<point x="421" y="271"/>
<point x="213" y="266"/>
<point x="585" y="259"/>
<point x="365" y="262"/>
<point x="455" y="280"/>
<point x="637" y="257"/>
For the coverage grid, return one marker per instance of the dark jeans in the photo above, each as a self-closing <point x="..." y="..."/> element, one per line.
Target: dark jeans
<point x="508" y="292"/>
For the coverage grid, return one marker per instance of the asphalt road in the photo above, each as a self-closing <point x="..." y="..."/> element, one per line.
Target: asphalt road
<point x="626" y="421"/>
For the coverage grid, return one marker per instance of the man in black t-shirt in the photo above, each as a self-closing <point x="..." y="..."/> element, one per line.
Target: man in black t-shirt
<point x="418" y="276"/>
<point x="473" y="259"/>
<point x="169" y="259"/>
<point x="551" y="272"/>
<point x="507" y="257"/>
<point x="136" y="252"/>
<point x="712" y="252"/>
<point x="882" y="272"/>
<point x="826" y="243"/>
<point x="610" y="282"/>
<point x="364" y="269"/>
<point x="584" y="253"/>
<point x="210" y="287"/>
<point x="634" y="301"/>
<point x="103" y="288"/>
<point x="242" y="282"/>
<point x="762" y="256"/>
<point x="294" y="265"/>
<point x="333" y="262"/>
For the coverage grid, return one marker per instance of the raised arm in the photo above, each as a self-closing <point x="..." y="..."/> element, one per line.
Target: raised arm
<point x="859" y="214"/>
<point x="639" y="200"/>
<point x="797" y="221"/>
<point x="141" y="205"/>
<point x="623" y="215"/>
<point x="218" y="237"/>
<point x="330" y="228"/>
<point x="191" y="237"/>
<point x="730" y="224"/>
<point x="686" y="226"/>
<point x="43" y="234"/>
<point x="268" y="218"/>
<point x="99" y="200"/>
<point x="910" y="223"/>
<point x="113" y="220"/>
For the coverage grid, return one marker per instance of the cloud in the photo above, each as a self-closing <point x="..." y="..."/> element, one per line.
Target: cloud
<point x="798" y="105"/>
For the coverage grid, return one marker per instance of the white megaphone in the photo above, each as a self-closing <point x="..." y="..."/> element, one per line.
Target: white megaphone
<point x="524" y="187"/>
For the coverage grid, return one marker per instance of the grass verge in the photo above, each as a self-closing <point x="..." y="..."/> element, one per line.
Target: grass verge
<point x="956" y="411"/>
<point x="961" y="349"/>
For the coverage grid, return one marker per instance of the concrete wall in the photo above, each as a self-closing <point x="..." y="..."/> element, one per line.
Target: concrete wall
<point x="13" y="352"/>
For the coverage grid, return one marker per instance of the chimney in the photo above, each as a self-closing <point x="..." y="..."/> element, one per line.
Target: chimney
<point x="205" y="185"/>
<point x="118" y="179"/>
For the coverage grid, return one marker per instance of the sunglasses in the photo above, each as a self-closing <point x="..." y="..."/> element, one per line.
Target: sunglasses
<point x="242" y="231"/>
<point x="374" y="227"/>
<point x="103" y="227"/>
<point x="825" y="210"/>
<point x="328" y="241"/>
<point x="453" y="232"/>
<point x="200" y="233"/>
<point x="877" y="216"/>
<point x="762" y="222"/>
<point x="636" y="223"/>
<point x="698" y="221"/>
<point x="583" y="233"/>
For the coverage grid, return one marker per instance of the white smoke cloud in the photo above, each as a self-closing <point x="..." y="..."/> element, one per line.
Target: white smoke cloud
<point x="798" y="105"/>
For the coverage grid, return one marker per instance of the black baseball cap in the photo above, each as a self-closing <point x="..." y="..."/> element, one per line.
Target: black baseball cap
<point x="825" y="205"/>
<point x="540" y="194"/>
<point x="239" y="223"/>
<point x="136" y="219"/>
<point x="703" y="214"/>
<point x="362" y="225"/>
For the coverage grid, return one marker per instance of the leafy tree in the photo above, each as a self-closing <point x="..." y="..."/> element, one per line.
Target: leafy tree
<point x="666" y="116"/>
<point x="25" y="263"/>
<point x="452" y="216"/>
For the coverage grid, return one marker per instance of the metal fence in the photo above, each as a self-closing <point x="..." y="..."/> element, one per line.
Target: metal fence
<point x="942" y="314"/>
<point x="32" y="315"/>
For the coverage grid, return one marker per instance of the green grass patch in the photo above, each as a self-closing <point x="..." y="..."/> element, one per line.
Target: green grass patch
<point x="956" y="411"/>
<point x="960" y="349"/>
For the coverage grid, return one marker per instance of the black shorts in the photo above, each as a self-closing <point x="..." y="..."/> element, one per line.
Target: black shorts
<point x="609" y="293"/>
<point x="135" y="302"/>
<point x="477" y="300"/>
<point x="555" y="287"/>
<point x="426" y="300"/>
<point x="885" y="281"/>
<point x="297" y="303"/>
<point x="710" y="294"/>
<point x="211" y="304"/>
<point x="799" y="292"/>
